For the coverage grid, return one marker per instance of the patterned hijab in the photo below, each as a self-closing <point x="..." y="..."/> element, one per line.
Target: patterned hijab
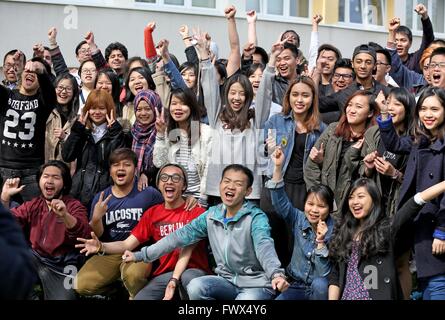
<point x="144" y="135"/>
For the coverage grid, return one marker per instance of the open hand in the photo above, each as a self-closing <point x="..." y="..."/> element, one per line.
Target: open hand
<point x="89" y="246"/>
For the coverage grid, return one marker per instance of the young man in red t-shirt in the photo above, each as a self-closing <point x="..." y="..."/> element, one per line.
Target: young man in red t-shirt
<point x="156" y="223"/>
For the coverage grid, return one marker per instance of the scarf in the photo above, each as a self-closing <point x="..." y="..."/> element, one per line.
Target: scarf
<point x="144" y="136"/>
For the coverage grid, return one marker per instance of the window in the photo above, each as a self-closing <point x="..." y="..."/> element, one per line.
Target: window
<point x="286" y="8"/>
<point x="436" y="12"/>
<point x="211" y="4"/>
<point x="253" y="5"/>
<point x="204" y="3"/>
<point x="299" y="8"/>
<point x="174" y="2"/>
<point x="367" y="12"/>
<point x="275" y="7"/>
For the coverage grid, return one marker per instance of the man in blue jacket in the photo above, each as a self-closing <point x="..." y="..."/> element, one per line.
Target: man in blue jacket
<point x="247" y="265"/>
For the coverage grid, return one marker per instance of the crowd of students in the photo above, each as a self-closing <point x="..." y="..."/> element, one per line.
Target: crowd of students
<point x="260" y="176"/>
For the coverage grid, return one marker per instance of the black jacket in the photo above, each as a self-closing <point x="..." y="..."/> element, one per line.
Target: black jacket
<point x="17" y="274"/>
<point x="332" y="106"/>
<point x="92" y="170"/>
<point x="382" y="266"/>
<point x="425" y="167"/>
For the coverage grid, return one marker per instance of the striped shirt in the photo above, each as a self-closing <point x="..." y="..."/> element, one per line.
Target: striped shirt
<point x="184" y="158"/>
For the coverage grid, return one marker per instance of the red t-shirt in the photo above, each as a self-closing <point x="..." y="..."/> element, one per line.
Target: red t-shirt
<point x="158" y="222"/>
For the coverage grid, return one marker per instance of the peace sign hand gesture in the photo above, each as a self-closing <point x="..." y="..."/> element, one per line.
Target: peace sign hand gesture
<point x="101" y="206"/>
<point x="110" y="119"/>
<point x="160" y="124"/>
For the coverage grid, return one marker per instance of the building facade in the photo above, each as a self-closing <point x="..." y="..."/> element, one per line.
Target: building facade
<point x="346" y="23"/>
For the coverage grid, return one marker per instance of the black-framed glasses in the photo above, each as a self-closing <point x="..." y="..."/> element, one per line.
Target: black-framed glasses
<point x="175" y="177"/>
<point x="67" y="89"/>
<point x="433" y="65"/>
<point x="380" y="63"/>
<point x="345" y="76"/>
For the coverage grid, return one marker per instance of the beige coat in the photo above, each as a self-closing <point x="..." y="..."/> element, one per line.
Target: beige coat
<point x="165" y="152"/>
<point x="53" y="146"/>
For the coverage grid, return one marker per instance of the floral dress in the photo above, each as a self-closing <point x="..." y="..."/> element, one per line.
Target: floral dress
<point x="354" y="288"/>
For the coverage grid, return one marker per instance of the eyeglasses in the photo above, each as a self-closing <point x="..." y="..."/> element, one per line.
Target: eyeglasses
<point x="10" y="66"/>
<point x="83" y="51"/>
<point x="380" y="63"/>
<point x="342" y="75"/>
<point x="175" y="177"/>
<point x="61" y="88"/>
<point x="89" y="71"/>
<point x="433" y="65"/>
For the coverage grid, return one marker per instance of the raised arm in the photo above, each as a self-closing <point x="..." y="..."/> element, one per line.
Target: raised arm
<point x="313" y="47"/>
<point x="280" y="200"/>
<point x="190" y="51"/>
<point x="170" y="69"/>
<point x="399" y="72"/>
<point x="209" y="82"/>
<point x="249" y="47"/>
<point x="264" y="94"/>
<point x="47" y="90"/>
<point x="234" y="61"/>
<point x="59" y="64"/>
<point x="251" y="27"/>
<point x="96" y="54"/>
<point x="149" y="46"/>
<point x="427" y="37"/>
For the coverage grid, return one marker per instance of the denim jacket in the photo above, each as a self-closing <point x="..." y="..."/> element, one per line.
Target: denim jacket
<point x="285" y="137"/>
<point x="307" y="261"/>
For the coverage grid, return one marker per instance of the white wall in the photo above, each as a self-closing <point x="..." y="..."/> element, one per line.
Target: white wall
<point x="24" y="24"/>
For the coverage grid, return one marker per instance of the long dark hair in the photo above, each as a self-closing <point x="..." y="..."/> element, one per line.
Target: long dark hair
<point x="409" y="102"/>
<point x="238" y="120"/>
<point x="190" y="65"/>
<point x="374" y="229"/>
<point x="343" y="128"/>
<point x="312" y="119"/>
<point x="73" y="104"/>
<point x="115" y="87"/>
<point x="419" y="129"/>
<point x="188" y="98"/>
<point x="129" y="97"/>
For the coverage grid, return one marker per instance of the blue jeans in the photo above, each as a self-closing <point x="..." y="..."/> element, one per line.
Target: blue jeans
<point x="155" y="289"/>
<point x="433" y="288"/>
<point x="318" y="290"/>
<point x="218" y="288"/>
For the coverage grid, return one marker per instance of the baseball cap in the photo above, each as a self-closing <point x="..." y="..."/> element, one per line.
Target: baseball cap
<point x="364" y="48"/>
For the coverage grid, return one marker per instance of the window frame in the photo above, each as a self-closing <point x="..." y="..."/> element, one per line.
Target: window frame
<point x="364" y="25"/>
<point x="401" y="12"/>
<point x="159" y="5"/>
<point x="285" y="17"/>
